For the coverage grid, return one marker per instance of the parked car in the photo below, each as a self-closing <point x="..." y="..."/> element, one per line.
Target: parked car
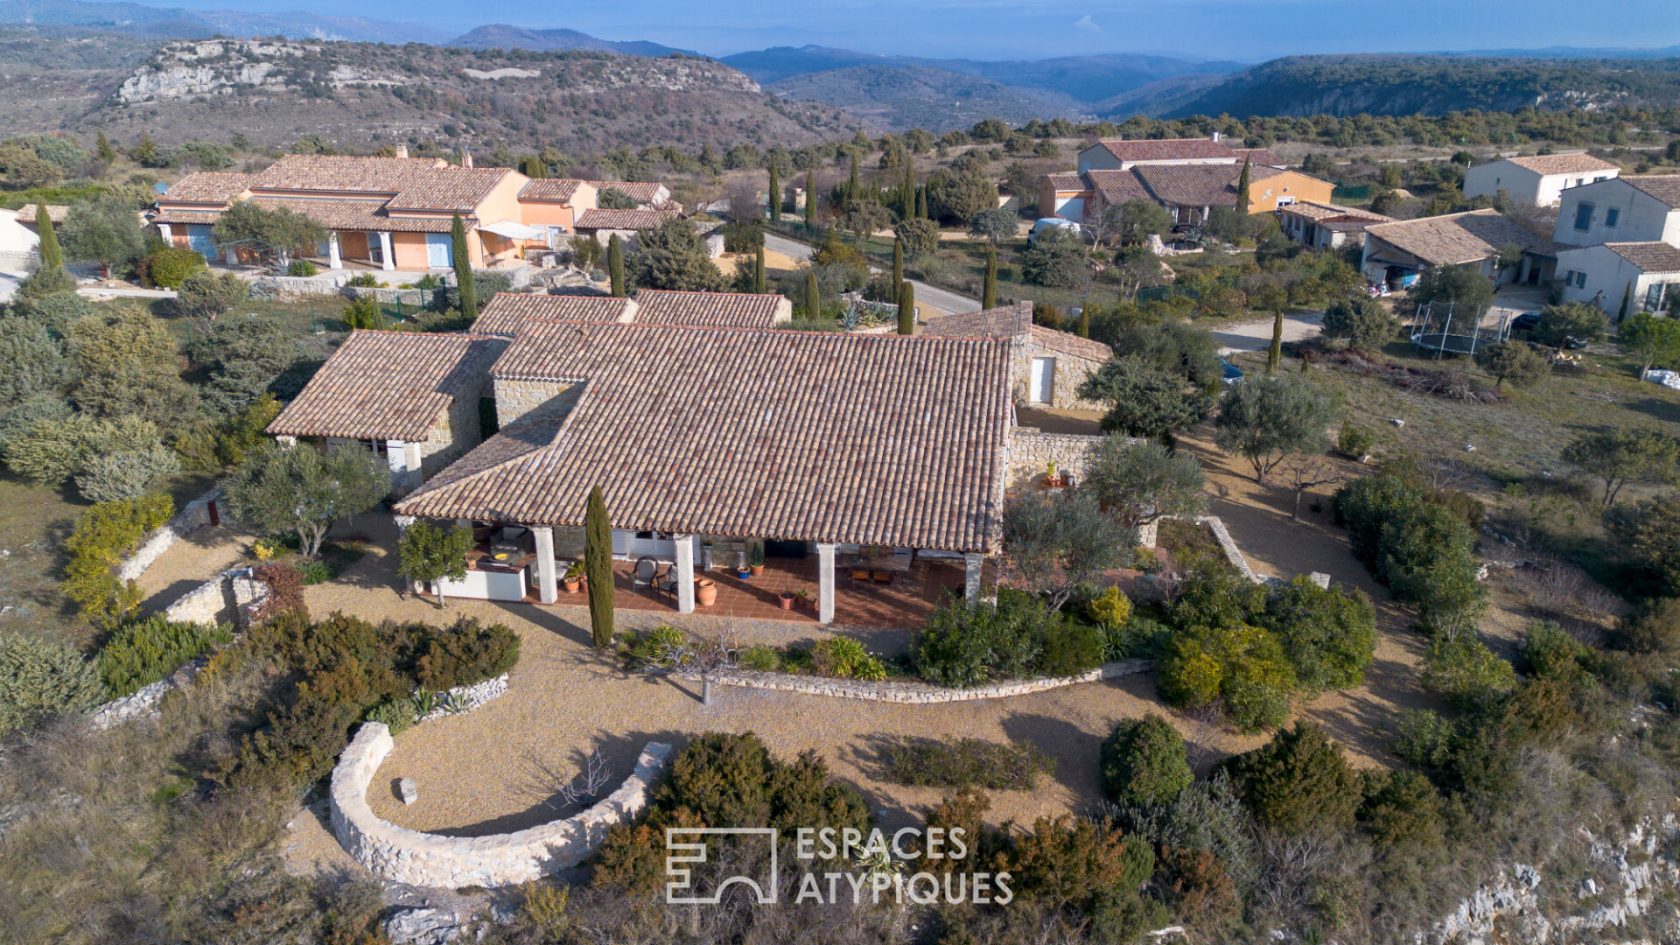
<point x="1526" y="322"/>
<point x="1042" y="224"/>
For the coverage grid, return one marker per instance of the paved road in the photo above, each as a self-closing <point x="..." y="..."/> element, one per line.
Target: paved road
<point x="942" y="299"/>
<point x="1257" y="335"/>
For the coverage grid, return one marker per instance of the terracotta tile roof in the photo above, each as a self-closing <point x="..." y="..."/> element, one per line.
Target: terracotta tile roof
<point x="507" y="313"/>
<point x="1015" y="323"/>
<point x="1117" y="187"/>
<point x="217" y="187"/>
<point x="405" y="183"/>
<point x="599" y="219"/>
<point x="1258" y="157"/>
<point x="56" y="212"/>
<point x="641" y="191"/>
<point x="339" y="214"/>
<point x="553" y="189"/>
<point x="1457" y="238"/>
<point x="723" y="309"/>
<point x="1068" y="181"/>
<point x="1580" y="163"/>
<point x="171" y="215"/>
<point x="1321" y="212"/>
<point x="1198" y="185"/>
<point x="387" y="385"/>
<point x="1649" y="257"/>
<point x="1166" y="149"/>
<point x="807" y="436"/>
<point x="1664" y="187"/>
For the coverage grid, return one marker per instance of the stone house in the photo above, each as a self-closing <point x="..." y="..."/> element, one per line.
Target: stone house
<point x="1322" y="226"/>
<point x="507" y="313"/>
<point x="1046" y="366"/>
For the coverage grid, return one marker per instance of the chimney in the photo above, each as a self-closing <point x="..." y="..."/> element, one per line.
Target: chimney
<point x="402" y="150"/>
<point x="1216" y="136"/>
<point x="466" y="158"/>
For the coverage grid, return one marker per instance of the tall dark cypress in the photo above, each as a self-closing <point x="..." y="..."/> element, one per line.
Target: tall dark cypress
<point x="898" y="260"/>
<point x="775" y="193"/>
<point x="1274" y="356"/>
<point x="853" y="185"/>
<point x="615" y="265"/>
<point x="52" y="256"/>
<point x="906" y="308"/>
<point x="597" y="567"/>
<point x="810" y="200"/>
<point x="758" y="270"/>
<point x="988" y="292"/>
<point x="463" y="268"/>
<point x="1242" y="189"/>
<point x="813" y="295"/>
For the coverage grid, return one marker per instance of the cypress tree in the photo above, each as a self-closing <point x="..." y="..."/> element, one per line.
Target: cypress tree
<point x="1242" y="189"/>
<point x="922" y="203"/>
<point x="906" y="308"/>
<point x="853" y="185"/>
<point x="988" y="292"/>
<point x="52" y="257"/>
<point x="534" y="168"/>
<point x="463" y="268"/>
<point x="1085" y="322"/>
<point x="615" y="265"/>
<point x="813" y="295"/>
<point x="597" y="567"/>
<point x="758" y="270"/>
<point x="102" y="148"/>
<point x="907" y="192"/>
<point x="898" y="260"/>
<point x="775" y="193"/>
<point x="810" y="200"/>
<point x="1274" y="356"/>
<point x="1627" y="299"/>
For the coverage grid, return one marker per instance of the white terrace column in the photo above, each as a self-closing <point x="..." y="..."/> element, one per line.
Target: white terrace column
<point x="404" y="460"/>
<point x="973" y="564"/>
<point x="167" y="234"/>
<point x="333" y="259"/>
<point x="685" y="573"/>
<point x="548" y="588"/>
<point x="386" y="262"/>
<point x="825" y="583"/>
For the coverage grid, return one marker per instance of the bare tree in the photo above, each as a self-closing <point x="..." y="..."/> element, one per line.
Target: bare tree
<point x="1306" y="471"/>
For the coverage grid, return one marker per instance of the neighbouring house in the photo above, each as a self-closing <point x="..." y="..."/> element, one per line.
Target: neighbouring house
<point x="554" y="205"/>
<point x="1640" y="208"/>
<point x="603" y="224"/>
<point x="1326" y="225"/>
<point x="1121" y="154"/>
<point x="648" y="195"/>
<point x="1046" y="366"/>
<point x="508" y="313"/>
<point x="705" y="437"/>
<point x="1396" y="253"/>
<point x="1188" y="191"/>
<point x="411" y="397"/>
<point x="1538" y="180"/>
<point x="1621" y="278"/>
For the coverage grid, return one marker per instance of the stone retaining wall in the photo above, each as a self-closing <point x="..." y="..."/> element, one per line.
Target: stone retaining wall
<point x="418" y="298"/>
<point x="429" y="859"/>
<point x="1031" y="451"/>
<point x="914" y="693"/>
<point x="192" y="516"/>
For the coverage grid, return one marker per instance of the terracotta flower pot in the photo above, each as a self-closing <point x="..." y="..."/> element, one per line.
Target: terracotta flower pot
<point x="756" y="570"/>
<point x="705" y="592"/>
<point x="786" y="600"/>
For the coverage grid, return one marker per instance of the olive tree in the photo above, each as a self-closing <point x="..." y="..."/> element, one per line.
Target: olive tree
<point x="106" y="230"/>
<point x="1139" y="481"/>
<point x="1618" y="457"/>
<point x="1513" y="362"/>
<point x="304" y="490"/>
<point x="278" y="232"/>
<point x="1266" y="419"/>
<point x="427" y="553"/>
<point x="1365" y="324"/>
<point x="1056" y="542"/>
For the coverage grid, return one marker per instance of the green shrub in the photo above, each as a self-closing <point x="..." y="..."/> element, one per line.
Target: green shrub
<point x="1145" y="763"/>
<point x="170" y="266"/>
<point x="967" y="762"/>
<point x="1402" y="808"/>
<point x="363" y="312"/>
<point x="1298" y="783"/>
<point x="1018" y="637"/>
<point x="1550" y="652"/>
<point x="104" y="535"/>
<point x="761" y="658"/>
<point x="1140" y="638"/>
<point x="658" y="648"/>
<point x="1422" y="545"/>
<point x="1070" y="647"/>
<point x="466" y="653"/>
<point x="125" y="474"/>
<point x="39" y="680"/>
<point x="315" y="572"/>
<point x="1328" y="635"/>
<point x="1242" y="667"/>
<point x="301" y="268"/>
<point x="363" y="280"/>
<point x="1076" y="861"/>
<point x="142" y="652"/>
<point x="1355" y="441"/>
<point x="1216" y="596"/>
<point x="1111" y="609"/>
<point x="1466" y="672"/>
<point x="395" y="712"/>
<point x="845" y="658"/>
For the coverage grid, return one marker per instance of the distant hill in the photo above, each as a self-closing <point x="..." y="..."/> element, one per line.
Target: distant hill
<point x="503" y="36"/>
<point x="1431" y="85"/>
<point x="174" y="23"/>
<point x="364" y="95"/>
<point x="903" y="97"/>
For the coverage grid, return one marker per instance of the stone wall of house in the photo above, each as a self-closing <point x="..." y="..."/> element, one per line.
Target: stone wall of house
<point x="915" y="693"/>
<point x="514" y="399"/>
<point x="192" y="516"/>
<point x="1031" y="451"/>
<point x="456" y="432"/>
<point x="1071" y="372"/>
<point x="427" y="859"/>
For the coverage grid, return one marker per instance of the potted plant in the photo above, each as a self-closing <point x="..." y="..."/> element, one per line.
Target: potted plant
<point x="803" y="596"/>
<point x="1052" y="479"/>
<point x="786" y="599"/>
<point x="755" y="558"/>
<point x="574" y="577"/>
<point x="705" y="592"/>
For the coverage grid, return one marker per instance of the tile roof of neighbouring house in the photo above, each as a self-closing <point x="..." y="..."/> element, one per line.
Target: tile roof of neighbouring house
<point x="387" y="385"/>
<point x="1166" y="149"/>
<point x="217" y="187"/>
<point x="554" y="189"/>
<point x="1015" y="322"/>
<point x="601" y="219"/>
<point x="1664" y="187"/>
<point x="724" y="309"/>
<point x="507" y="313"/>
<point x="805" y="436"/>
<point x="1259" y="157"/>
<point x="1313" y="210"/>
<point x="173" y="215"/>
<point x="1198" y="185"/>
<point x="355" y="215"/>
<point x="29" y="213"/>
<point x="1580" y="163"/>
<point x="1456" y="238"/>
<point x="1070" y="344"/>
<point x="641" y="191"/>
<point x="1649" y="257"/>
<point x="405" y="183"/>
<point x="1117" y="187"/>
<point x="1068" y="180"/>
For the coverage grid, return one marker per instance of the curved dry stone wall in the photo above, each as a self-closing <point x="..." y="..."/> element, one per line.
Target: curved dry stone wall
<point x="914" y="693"/>
<point x="506" y="859"/>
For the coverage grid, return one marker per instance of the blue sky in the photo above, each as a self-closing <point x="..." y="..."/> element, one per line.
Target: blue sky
<point x="998" y="29"/>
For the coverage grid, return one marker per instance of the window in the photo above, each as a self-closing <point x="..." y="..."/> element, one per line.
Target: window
<point x="1611" y="215"/>
<point x="1583" y="216"/>
<point x="1654" y="297"/>
<point x="1580" y="278"/>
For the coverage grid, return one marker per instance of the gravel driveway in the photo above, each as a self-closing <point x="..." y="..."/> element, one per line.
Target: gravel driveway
<point x="1257" y="335"/>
